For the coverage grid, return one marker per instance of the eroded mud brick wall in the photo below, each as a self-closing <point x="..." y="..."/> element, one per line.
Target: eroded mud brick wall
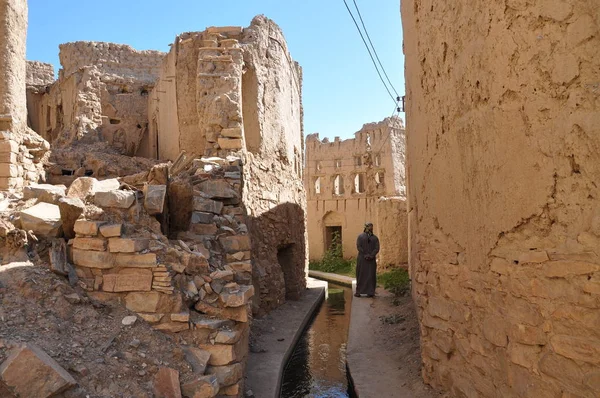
<point x="503" y="135"/>
<point x="13" y="35"/>
<point x="232" y="90"/>
<point x="273" y="191"/>
<point x="344" y="180"/>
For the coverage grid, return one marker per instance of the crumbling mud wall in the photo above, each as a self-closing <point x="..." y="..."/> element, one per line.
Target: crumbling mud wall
<point x="21" y="150"/>
<point x="13" y="32"/>
<point x="391" y="227"/>
<point x="233" y="90"/>
<point x="273" y="191"/>
<point x="101" y="95"/>
<point x="504" y="210"/>
<point x="344" y="180"/>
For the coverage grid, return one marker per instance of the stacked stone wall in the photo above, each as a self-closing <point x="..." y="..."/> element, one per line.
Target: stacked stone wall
<point x="198" y="286"/>
<point x="504" y="210"/>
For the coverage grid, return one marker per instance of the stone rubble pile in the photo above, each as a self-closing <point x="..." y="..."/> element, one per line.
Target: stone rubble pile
<point x="197" y="286"/>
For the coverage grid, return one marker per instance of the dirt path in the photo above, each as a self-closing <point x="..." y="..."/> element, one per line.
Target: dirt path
<point x="383" y="348"/>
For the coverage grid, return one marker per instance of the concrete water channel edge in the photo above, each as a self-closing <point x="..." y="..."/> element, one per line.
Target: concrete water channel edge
<point x="278" y="335"/>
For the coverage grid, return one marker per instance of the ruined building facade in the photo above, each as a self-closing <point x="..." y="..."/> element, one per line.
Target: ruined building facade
<point x="177" y="180"/>
<point x="503" y="132"/>
<point x="350" y="182"/>
<point x="218" y="92"/>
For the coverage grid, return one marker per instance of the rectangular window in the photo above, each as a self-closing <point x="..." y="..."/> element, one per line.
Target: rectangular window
<point x="338" y="185"/>
<point x="359" y="183"/>
<point x="337" y="163"/>
<point x="378" y="160"/>
<point x="358" y="161"/>
<point x="318" y="185"/>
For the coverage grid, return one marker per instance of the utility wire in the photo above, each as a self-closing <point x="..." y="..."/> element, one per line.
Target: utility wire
<point x="374" y="51"/>
<point x="370" y="54"/>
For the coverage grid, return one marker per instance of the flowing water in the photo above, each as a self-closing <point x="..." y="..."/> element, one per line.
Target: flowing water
<point x="317" y="367"/>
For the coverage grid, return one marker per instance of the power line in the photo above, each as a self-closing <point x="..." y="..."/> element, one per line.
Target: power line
<point x="370" y="54"/>
<point x="375" y="51"/>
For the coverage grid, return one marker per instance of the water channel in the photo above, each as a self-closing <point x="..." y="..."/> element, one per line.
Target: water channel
<point x="317" y="367"/>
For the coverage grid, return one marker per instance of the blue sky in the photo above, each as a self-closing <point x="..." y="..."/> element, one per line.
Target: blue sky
<point x="341" y="88"/>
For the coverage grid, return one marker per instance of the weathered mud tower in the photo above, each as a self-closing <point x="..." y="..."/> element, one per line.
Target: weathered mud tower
<point x="503" y="162"/>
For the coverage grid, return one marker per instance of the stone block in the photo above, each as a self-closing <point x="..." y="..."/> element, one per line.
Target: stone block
<point x="235" y="132"/>
<point x="239" y="314"/>
<point x="218" y="189"/>
<point x="204" y="229"/>
<point x="577" y="348"/>
<point x="44" y="192"/>
<point x="10" y="183"/>
<point x="172" y="327"/>
<point x="533" y="256"/>
<point x="241" y="266"/>
<point x="9" y="146"/>
<point x="207" y="205"/>
<point x="202" y="218"/>
<point x="118" y="198"/>
<point x="8" y="157"/>
<point x="525" y="334"/>
<point x="9" y="170"/>
<point x="86" y="228"/>
<point x="154" y="198"/>
<point x="230" y="143"/>
<point x="135" y="260"/>
<point x="236" y="297"/>
<point x="128" y="280"/>
<point x="151" y="318"/>
<point x="524" y="355"/>
<point x="166" y="383"/>
<point x="227" y="375"/>
<point x="201" y="387"/>
<point x="562" y="269"/>
<point x="181" y="317"/>
<point x="125" y="245"/>
<point x="96" y="244"/>
<point x="197" y="358"/>
<point x="58" y="257"/>
<point x="494" y="330"/>
<point x="43" y="219"/>
<point x="220" y="354"/>
<point x="70" y="210"/>
<point x="142" y="301"/>
<point x="225" y="30"/>
<point x="229" y="336"/>
<point x="111" y="230"/>
<point x="31" y="373"/>
<point x="93" y="259"/>
<point x="561" y="368"/>
<point x="83" y="187"/>
<point x="231" y="391"/>
<point x="234" y="244"/>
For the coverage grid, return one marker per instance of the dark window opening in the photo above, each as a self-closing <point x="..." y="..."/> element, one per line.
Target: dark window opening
<point x="89" y="173"/>
<point x="115" y="121"/>
<point x="67" y="172"/>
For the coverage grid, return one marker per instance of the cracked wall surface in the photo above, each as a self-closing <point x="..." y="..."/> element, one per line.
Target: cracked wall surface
<point x="503" y="166"/>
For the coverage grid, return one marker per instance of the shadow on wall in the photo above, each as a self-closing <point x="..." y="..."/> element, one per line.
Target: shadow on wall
<point x="279" y="250"/>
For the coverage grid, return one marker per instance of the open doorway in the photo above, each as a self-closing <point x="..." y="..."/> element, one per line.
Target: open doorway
<point x="285" y="258"/>
<point x="333" y="237"/>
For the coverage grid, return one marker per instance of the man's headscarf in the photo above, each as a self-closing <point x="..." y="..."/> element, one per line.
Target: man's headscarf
<point x="369" y="228"/>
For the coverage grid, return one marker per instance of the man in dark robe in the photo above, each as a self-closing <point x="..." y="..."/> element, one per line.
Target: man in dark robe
<point x="366" y="264"/>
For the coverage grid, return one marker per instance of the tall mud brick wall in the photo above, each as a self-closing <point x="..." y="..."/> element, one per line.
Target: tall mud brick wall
<point x="503" y="148"/>
<point x="13" y="35"/>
